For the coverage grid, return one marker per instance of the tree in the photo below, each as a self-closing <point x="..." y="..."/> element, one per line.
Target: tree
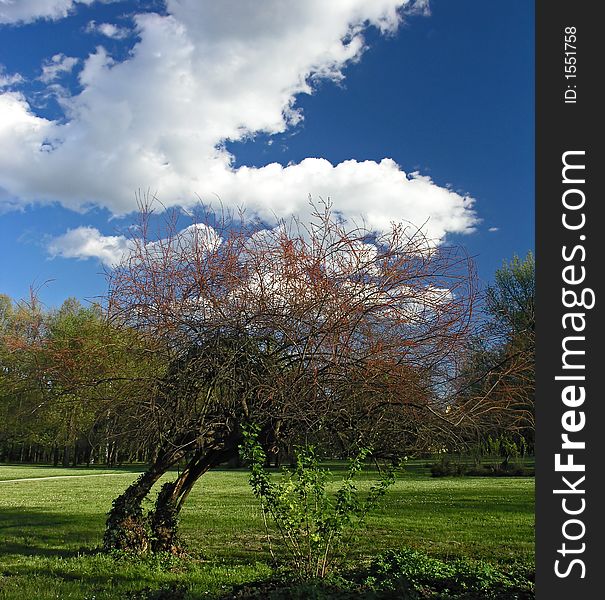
<point x="67" y="375"/>
<point x="293" y="328"/>
<point x="22" y="326"/>
<point x="511" y="301"/>
<point x="498" y="379"/>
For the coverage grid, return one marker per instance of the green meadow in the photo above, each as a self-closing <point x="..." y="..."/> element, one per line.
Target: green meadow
<point x="51" y="531"/>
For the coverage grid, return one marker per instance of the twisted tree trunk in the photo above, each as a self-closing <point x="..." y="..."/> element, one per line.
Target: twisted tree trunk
<point x="164" y="518"/>
<point x="126" y="527"/>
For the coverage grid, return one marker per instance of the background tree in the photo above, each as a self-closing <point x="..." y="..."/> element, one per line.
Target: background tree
<point x="67" y="378"/>
<point x="498" y="379"/>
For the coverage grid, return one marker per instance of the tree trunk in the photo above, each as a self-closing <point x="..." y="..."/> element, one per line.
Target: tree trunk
<point x="164" y="518"/>
<point x="74" y="462"/>
<point x="66" y="455"/>
<point x="126" y="527"/>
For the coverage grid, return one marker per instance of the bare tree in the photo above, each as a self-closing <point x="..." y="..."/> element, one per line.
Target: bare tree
<point x="301" y="327"/>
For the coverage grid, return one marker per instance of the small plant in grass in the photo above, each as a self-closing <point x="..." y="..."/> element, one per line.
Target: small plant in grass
<point x="314" y="526"/>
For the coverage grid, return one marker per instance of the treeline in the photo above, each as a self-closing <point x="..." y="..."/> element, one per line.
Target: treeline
<point x="76" y="390"/>
<point x="69" y="386"/>
<point x="82" y="453"/>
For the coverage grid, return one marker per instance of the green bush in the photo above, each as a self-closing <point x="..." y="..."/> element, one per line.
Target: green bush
<point x="314" y="527"/>
<point x="447" y="468"/>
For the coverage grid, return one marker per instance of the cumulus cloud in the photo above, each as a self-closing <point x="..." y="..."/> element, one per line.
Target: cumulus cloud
<point x="56" y="66"/>
<point x="205" y="73"/>
<point x="108" y="30"/>
<point x="493" y="229"/>
<point x="88" y="242"/>
<point x="26" y="11"/>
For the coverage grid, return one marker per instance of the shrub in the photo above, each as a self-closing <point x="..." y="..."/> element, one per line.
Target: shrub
<point x="314" y="527"/>
<point x="446" y="468"/>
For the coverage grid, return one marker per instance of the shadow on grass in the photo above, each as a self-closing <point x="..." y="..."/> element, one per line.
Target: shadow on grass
<point x="40" y="533"/>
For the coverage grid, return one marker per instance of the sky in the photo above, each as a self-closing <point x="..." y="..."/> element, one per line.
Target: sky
<point x="413" y="110"/>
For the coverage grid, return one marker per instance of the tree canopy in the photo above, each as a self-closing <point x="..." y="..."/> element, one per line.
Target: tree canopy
<point x="301" y="329"/>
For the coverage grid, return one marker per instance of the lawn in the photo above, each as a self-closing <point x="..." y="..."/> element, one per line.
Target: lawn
<point x="50" y="530"/>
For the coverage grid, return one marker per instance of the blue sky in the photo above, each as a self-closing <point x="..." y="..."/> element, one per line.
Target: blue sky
<point x="99" y="99"/>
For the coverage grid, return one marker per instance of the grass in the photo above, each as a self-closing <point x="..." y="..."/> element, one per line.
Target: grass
<point x="8" y="472"/>
<point x="50" y="530"/>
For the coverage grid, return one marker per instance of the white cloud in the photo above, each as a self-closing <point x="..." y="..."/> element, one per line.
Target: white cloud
<point x="54" y="67"/>
<point x="88" y="242"/>
<point x="493" y="229"/>
<point x="9" y="79"/>
<point x="205" y="73"/>
<point x="26" y="11"/>
<point x="108" y="30"/>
